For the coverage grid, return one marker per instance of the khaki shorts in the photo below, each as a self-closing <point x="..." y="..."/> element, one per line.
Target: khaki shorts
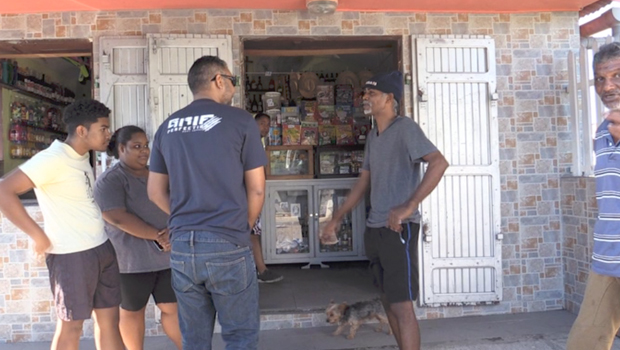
<point x="599" y="316"/>
<point x="84" y="281"/>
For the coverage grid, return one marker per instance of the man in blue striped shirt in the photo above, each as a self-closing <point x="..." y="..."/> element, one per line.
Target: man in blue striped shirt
<point x="599" y="316"/>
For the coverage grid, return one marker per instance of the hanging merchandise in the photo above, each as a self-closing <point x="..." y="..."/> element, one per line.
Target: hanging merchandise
<point x="307" y="84"/>
<point x="348" y="78"/>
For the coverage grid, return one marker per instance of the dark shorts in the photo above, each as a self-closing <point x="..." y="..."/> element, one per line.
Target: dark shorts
<point x="136" y="288"/>
<point x="394" y="261"/>
<point x="84" y="281"/>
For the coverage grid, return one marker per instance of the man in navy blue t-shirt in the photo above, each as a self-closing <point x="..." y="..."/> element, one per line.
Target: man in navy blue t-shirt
<point x="207" y="172"/>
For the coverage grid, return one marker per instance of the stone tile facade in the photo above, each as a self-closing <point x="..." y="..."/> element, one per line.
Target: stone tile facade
<point x="579" y="212"/>
<point x="531" y="58"/>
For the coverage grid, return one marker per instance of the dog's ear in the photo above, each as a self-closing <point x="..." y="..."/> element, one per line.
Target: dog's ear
<point x="342" y="307"/>
<point x="332" y="301"/>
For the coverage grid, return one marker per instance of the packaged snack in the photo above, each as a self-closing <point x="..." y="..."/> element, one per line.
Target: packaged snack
<point x="327" y="163"/>
<point x="344" y="95"/>
<point x="327" y="135"/>
<point x="327" y="113"/>
<point x="291" y="134"/>
<point x="360" y="131"/>
<point x="309" y="135"/>
<point x="344" y="135"/>
<point x="275" y="135"/>
<point x="344" y="115"/>
<point x="290" y="115"/>
<point x="325" y="95"/>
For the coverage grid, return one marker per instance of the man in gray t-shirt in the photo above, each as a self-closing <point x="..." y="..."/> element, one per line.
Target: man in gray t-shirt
<point x="395" y="149"/>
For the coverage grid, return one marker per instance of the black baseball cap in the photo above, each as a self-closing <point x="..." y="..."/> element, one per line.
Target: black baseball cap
<point x="391" y="83"/>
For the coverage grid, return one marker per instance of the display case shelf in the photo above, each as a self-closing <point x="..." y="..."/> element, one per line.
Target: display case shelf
<point x="33" y="94"/>
<point x="335" y="161"/>
<point x="290" y="162"/>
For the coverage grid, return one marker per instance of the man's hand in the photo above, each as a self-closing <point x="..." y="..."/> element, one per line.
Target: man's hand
<point x="163" y="238"/>
<point x="400" y="213"/>
<point x="41" y="245"/>
<point x="328" y="234"/>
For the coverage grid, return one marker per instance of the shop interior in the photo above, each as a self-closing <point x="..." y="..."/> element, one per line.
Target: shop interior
<point x="311" y="88"/>
<point x="37" y="80"/>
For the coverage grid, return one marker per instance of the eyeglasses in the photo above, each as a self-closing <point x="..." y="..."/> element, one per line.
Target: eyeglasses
<point x="233" y="79"/>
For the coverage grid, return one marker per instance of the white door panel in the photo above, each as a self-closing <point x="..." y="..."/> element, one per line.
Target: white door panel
<point x="123" y="82"/>
<point x="170" y="59"/>
<point x="461" y="247"/>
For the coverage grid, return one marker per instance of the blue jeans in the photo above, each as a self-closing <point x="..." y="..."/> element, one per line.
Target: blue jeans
<point x="211" y="275"/>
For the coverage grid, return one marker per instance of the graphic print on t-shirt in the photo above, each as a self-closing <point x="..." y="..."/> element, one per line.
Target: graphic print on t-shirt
<point x="89" y="187"/>
<point x="203" y="123"/>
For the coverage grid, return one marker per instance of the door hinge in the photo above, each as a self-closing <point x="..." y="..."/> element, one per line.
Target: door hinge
<point x="154" y="46"/>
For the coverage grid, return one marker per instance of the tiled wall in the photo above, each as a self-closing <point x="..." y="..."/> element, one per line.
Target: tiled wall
<point x="579" y="211"/>
<point x="533" y="121"/>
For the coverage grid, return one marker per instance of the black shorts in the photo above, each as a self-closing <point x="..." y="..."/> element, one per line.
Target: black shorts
<point x="136" y="288"/>
<point x="84" y="281"/>
<point x="394" y="261"/>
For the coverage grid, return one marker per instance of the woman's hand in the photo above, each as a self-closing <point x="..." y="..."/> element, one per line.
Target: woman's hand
<point x="163" y="238"/>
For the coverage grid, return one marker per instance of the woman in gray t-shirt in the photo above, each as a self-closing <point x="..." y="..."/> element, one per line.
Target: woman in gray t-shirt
<point x="138" y="230"/>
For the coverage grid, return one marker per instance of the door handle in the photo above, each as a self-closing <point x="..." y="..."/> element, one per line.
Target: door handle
<point x="426" y="231"/>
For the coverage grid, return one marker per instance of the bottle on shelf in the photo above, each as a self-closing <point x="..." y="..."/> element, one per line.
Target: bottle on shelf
<point x="272" y="85"/>
<point x="259" y="86"/>
<point x="253" y="84"/>
<point x="254" y="105"/>
<point x="248" y="103"/>
<point x="14" y="133"/>
<point x="247" y="82"/>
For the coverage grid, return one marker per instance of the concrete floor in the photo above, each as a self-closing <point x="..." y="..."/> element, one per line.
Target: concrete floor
<point x="310" y="290"/>
<point x="538" y="331"/>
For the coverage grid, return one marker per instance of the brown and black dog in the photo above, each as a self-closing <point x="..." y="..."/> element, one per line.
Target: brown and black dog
<point x="356" y="314"/>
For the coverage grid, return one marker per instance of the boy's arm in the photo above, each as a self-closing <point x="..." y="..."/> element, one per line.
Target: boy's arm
<point x="11" y="186"/>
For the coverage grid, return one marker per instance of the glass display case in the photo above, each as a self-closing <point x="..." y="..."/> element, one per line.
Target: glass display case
<point x="339" y="161"/>
<point x="290" y="162"/>
<point x="294" y="214"/>
<point x="291" y="222"/>
<point x="329" y="201"/>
